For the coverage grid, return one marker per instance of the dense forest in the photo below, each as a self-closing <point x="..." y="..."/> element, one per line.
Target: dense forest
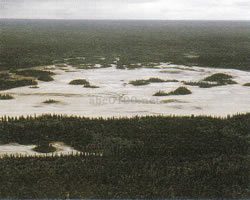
<point x="142" y="157"/>
<point x="28" y="43"/>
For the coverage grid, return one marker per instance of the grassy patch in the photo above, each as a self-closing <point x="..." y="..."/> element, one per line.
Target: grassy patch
<point x="150" y="80"/>
<point x="178" y="91"/>
<point x="125" y="64"/>
<point x="6" y="97"/>
<point x="39" y="74"/>
<point x="51" y="101"/>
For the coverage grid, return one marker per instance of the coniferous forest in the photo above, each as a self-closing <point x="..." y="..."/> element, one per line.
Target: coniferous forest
<point x="141" y="157"/>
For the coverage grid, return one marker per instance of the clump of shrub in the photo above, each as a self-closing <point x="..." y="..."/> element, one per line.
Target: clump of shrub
<point x="41" y="75"/>
<point x="201" y="84"/>
<point x="90" y="86"/>
<point x="169" y="101"/>
<point x="79" y="82"/>
<point x="220" y="79"/>
<point x="178" y="91"/>
<point x="161" y="93"/>
<point x="6" y="97"/>
<point x="166" y="101"/>
<point x="155" y="80"/>
<point x="51" y="101"/>
<point x="139" y="82"/>
<point x="181" y="91"/>
<point x="214" y="80"/>
<point x="83" y="82"/>
<point x="247" y="84"/>
<point x="150" y="80"/>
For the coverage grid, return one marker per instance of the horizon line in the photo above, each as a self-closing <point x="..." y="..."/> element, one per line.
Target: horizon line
<point x="125" y="19"/>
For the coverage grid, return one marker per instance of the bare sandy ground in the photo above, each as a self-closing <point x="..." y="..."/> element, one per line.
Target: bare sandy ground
<point x="27" y="150"/>
<point x="116" y="97"/>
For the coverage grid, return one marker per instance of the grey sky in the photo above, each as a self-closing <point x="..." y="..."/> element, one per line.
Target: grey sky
<point x="126" y="9"/>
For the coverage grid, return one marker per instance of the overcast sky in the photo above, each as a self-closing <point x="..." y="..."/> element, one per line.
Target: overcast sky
<point x="126" y="9"/>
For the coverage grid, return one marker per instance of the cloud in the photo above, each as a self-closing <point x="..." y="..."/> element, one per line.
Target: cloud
<point x="126" y="9"/>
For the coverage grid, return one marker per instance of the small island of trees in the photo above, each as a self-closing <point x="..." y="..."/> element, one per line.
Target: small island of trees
<point x="83" y="82"/>
<point x="178" y="91"/>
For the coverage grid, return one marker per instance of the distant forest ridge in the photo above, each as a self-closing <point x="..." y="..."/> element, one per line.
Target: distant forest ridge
<point x="219" y="44"/>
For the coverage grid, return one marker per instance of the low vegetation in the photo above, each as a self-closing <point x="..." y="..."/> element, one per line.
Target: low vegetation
<point x="247" y="84"/>
<point x="214" y="80"/>
<point x="9" y="81"/>
<point x="61" y="65"/>
<point x="41" y="75"/>
<point x="181" y="91"/>
<point x="161" y="93"/>
<point x="79" y="82"/>
<point x="90" y="86"/>
<point x="220" y="79"/>
<point x="83" y="82"/>
<point x="201" y="84"/>
<point x="84" y="66"/>
<point x="143" y="157"/>
<point x="166" y="101"/>
<point x="155" y="80"/>
<point x="178" y="91"/>
<point x="139" y="82"/>
<point x="6" y="97"/>
<point x="51" y="101"/>
<point x="150" y="80"/>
